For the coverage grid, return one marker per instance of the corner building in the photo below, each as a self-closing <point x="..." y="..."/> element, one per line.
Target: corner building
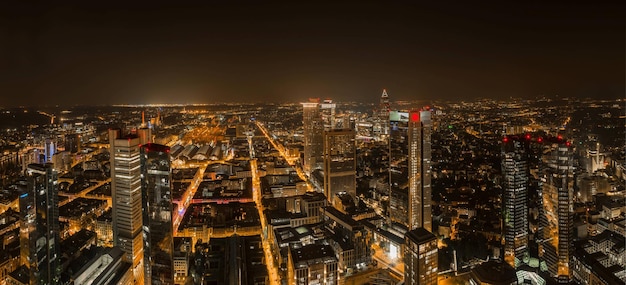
<point x="420" y="257"/>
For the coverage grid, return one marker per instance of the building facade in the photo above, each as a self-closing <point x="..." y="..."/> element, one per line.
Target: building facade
<point x="556" y="231"/>
<point x="419" y="166"/>
<point x="313" y="136"/>
<point x="383" y="114"/>
<point x="39" y="230"/>
<point x="312" y="264"/>
<point x="126" y="198"/>
<point x="339" y="163"/>
<point x="515" y="199"/>
<point x="420" y="257"/>
<point x="156" y="199"/>
<point x="398" y="167"/>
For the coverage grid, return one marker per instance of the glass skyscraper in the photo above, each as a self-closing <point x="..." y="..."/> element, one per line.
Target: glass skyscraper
<point x="515" y="198"/>
<point x="556" y="231"/>
<point x="39" y="231"/>
<point x="157" y="214"/>
<point x="313" y="128"/>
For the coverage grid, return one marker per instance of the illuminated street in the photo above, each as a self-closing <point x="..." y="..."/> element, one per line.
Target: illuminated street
<point x="256" y="192"/>
<point x="281" y="149"/>
<point x="188" y="197"/>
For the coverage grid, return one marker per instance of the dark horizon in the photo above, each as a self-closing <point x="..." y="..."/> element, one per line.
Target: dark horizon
<point x="218" y="52"/>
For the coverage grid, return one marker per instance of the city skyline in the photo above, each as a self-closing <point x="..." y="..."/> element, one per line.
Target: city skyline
<point x="222" y="193"/>
<point x="121" y="53"/>
<point x="280" y="142"/>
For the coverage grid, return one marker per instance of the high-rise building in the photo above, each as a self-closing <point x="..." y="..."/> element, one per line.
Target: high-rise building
<point x="383" y="113"/>
<point x="339" y="163"/>
<point x="420" y="257"/>
<point x="398" y="167"/>
<point x="327" y="113"/>
<point x="419" y="162"/>
<point x="556" y="233"/>
<point x="515" y="198"/>
<point x="410" y="168"/>
<point x="313" y="136"/>
<point x="126" y="198"/>
<point x="49" y="150"/>
<point x="39" y="230"/>
<point x="157" y="214"/>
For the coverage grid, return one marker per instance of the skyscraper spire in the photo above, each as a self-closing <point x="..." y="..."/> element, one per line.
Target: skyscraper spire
<point x="384" y="94"/>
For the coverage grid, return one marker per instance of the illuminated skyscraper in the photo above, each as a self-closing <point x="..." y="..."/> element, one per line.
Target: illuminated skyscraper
<point x="556" y="231"/>
<point x="49" y="150"/>
<point x="327" y="112"/>
<point x="419" y="161"/>
<point x="398" y="167"/>
<point x="410" y="169"/>
<point x="313" y="136"/>
<point x="515" y="198"/>
<point x="383" y="113"/>
<point x="157" y="214"/>
<point x="420" y="257"/>
<point x="39" y="229"/>
<point x="339" y="163"/>
<point x="126" y="198"/>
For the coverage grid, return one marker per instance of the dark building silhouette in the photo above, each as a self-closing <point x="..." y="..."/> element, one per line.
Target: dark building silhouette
<point x="157" y="214"/>
<point x="39" y="230"/>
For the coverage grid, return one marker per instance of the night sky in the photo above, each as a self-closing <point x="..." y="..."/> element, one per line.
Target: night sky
<point x="103" y="52"/>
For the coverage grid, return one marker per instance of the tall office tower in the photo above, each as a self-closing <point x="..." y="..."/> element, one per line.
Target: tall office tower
<point x="327" y="112"/>
<point x="398" y="167"/>
<point x="420" y="257"/>
<point x="39" y="230"/>
<point x="556" y="231"/>
<point x="126" y="196"/>
<point x="313" y="136"/>
<point x="157" y="214"/>
<point x="419" y="148"/>
<point x="515" y="198"/>
<point x="383" y="113"/>
<point x="339" y="163"/>
<point x="49" y="150"/>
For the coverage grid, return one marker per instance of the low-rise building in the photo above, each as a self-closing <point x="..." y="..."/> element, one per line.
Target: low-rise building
<point x="312" y="264"/>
